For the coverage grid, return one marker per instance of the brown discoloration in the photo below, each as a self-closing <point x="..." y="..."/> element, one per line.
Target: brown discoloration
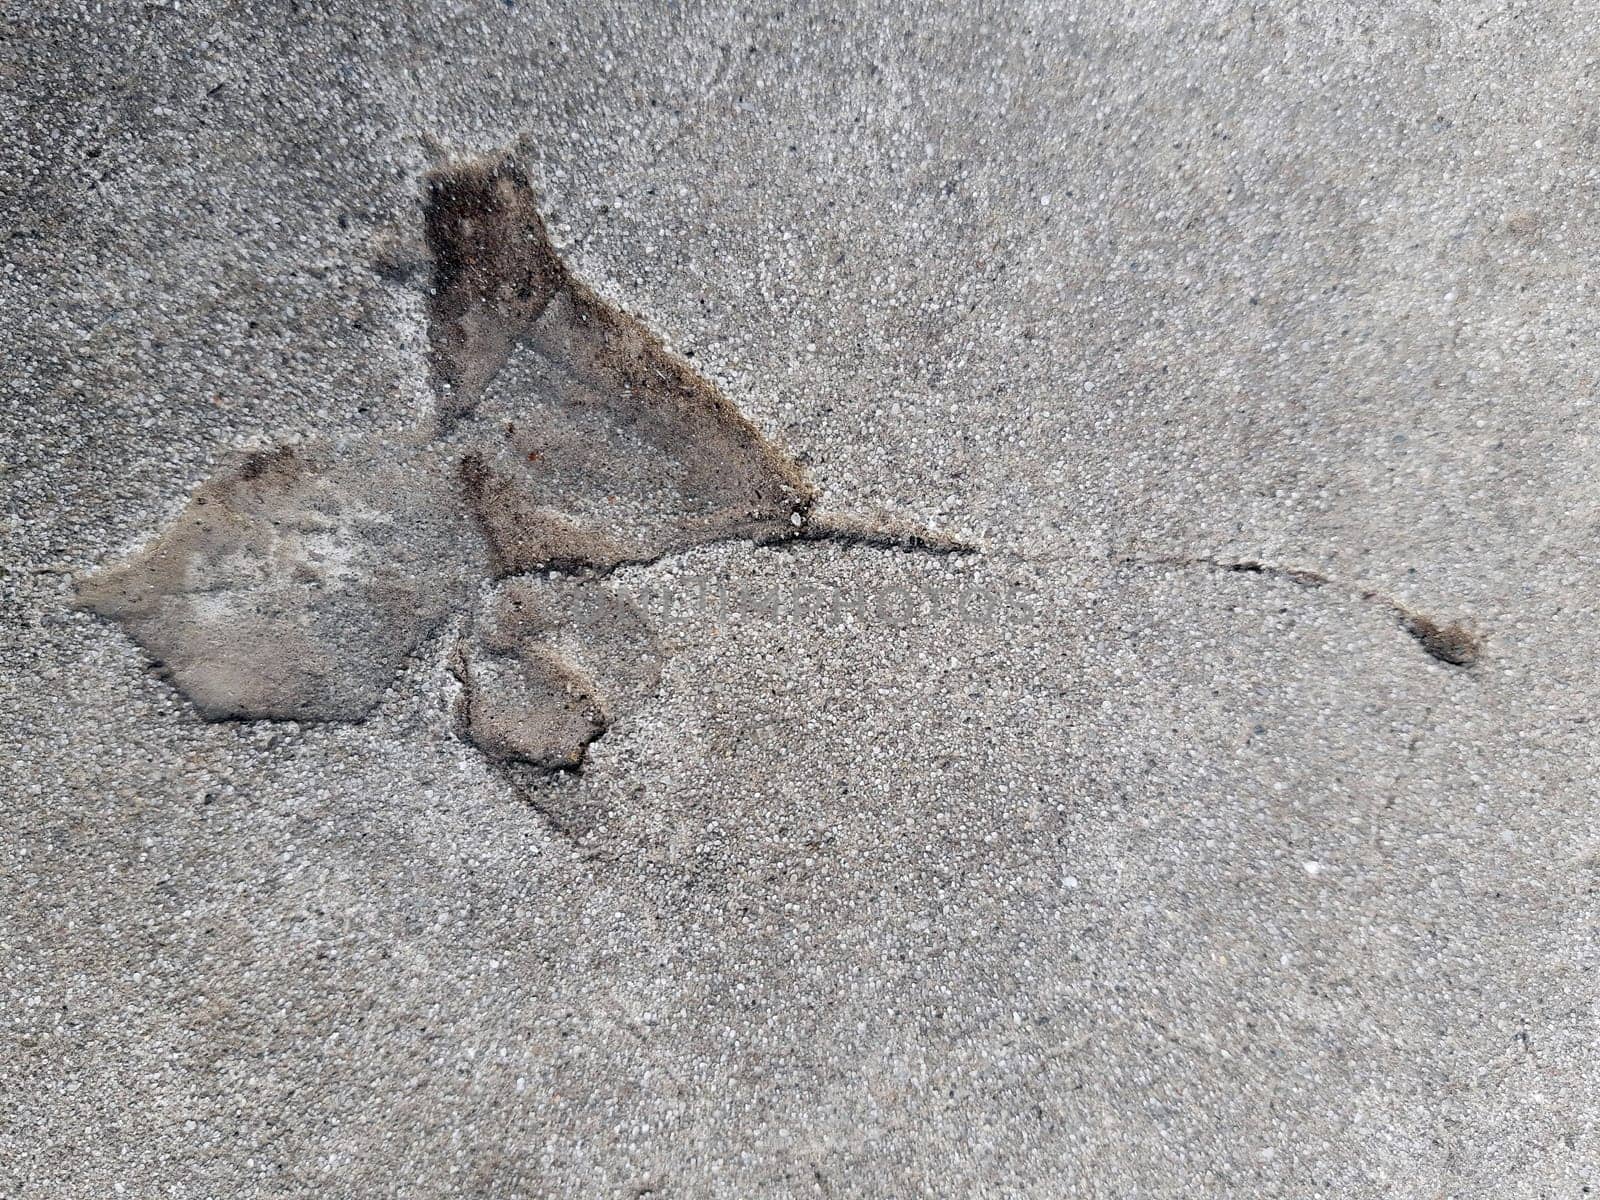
<point x="660" y="398"/>
<point x="878" y="535"/>
<point x="1524" y="223"/>
<point x="527" y="705"/>
<point x="1451" y="643"/>
<point x="278" y="462"/>
<point x="542" y="665"/>
<point x="589" y="443"/>
<point x="521" y="536"/>
<point x="494" y="270"/>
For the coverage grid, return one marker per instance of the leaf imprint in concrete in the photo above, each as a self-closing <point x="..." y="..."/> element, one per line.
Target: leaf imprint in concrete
<point x="566" y="440"/>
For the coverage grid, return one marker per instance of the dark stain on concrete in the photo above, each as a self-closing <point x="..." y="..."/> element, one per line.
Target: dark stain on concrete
<point x="567" y="438"/>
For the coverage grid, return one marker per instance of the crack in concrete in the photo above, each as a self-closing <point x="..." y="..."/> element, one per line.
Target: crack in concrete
<point x="1453" y="643"/>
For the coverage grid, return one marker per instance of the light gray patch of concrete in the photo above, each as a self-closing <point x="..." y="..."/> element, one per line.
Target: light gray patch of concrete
<point x="1110" y="877"/>
<point x="295" y="584"/>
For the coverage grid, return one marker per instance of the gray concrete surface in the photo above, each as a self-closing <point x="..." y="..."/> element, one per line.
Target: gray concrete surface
<point x="1081" y="867"/>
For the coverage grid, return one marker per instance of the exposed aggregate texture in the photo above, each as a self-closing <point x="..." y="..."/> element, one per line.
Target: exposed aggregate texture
<point x="1077" y="867"/>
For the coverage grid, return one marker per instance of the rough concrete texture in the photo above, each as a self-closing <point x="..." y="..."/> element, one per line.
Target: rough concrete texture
<point x="296" y="582"/>
<point x="1087" y="865"/>
<point x="543" y="669"/>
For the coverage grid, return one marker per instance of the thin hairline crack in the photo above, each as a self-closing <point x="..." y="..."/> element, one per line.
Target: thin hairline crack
<point x="1453" y="643"/>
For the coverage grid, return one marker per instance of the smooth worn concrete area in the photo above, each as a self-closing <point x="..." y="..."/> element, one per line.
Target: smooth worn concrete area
<point x="811" y="600"/>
